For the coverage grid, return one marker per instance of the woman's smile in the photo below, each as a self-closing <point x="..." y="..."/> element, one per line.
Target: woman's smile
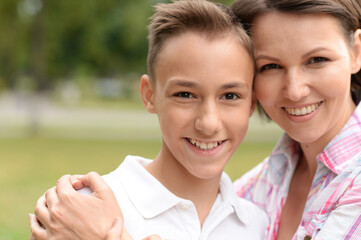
<point x="302" y="111"/>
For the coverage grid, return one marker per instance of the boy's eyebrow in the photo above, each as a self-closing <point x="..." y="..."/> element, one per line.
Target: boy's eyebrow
<point x="185" y="83"/>
<point x="266" y="57"/>
<point x="234" y="85"/>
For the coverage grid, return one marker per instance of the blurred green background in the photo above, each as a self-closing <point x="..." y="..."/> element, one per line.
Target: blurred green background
<point x="69" y="99"/>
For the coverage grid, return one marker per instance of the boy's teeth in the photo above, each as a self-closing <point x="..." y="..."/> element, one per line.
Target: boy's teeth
<point x="202" y="145"/>
<point x="302" y="111"/>
<point x="210" y="145"/>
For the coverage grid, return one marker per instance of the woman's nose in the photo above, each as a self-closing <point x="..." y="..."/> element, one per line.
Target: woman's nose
<point x="296" y="86"/>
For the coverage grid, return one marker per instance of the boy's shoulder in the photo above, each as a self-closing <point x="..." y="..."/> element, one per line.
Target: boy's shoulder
<point x="131" y="165"/>
<point x="130" y="172"/>
<point x="133" y="184"/>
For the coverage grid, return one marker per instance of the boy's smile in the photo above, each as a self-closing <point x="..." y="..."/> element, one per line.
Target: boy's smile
<point x="202" y="95"/>
<point x="206" y="146"/>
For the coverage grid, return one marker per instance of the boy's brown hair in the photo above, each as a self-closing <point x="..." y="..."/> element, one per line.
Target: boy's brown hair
<point x="210" y="19"/>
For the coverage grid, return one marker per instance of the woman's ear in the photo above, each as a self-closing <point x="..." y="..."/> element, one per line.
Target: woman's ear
<point x="147" y="93"/>
<point x="356" y="64"/>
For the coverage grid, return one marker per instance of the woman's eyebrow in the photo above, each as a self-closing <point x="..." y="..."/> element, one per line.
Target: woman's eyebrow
<point x="318" y="49"/>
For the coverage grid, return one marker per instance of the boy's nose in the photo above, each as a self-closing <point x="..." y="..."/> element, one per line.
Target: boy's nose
<point x="208" y="121"/>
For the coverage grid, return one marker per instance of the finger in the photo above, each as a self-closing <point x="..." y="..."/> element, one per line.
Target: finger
<point x="51" y="197"/>
<point x="37" y="231"/>
<point x="64" y="186"/>
<point x="42" y="211"/>
<point x="77" y="184"/>
<point x="96" y="183"/>
<point x="153" y="237"/>
<point x="115" y="232"/>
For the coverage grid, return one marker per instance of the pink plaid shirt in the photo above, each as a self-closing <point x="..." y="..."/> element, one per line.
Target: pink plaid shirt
<point x="333" y="207"/>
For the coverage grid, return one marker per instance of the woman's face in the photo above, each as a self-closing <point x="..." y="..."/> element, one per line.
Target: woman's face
<point x="304" y="65"/>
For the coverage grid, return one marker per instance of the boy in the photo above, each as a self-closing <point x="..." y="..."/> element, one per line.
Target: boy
<point x="200" y="86"/>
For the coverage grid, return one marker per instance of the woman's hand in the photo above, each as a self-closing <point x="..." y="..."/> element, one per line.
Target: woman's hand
<point x="63" y="213"/>
<point x="117" y="232"/>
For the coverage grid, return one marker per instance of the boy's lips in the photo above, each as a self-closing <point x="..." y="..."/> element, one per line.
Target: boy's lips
<point x="302" y="111"/>
<point x="206" y="146"/>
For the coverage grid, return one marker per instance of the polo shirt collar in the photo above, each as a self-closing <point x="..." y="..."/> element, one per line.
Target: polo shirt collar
<point x="151" y="198"/>
<point x="345" y="146"/>
<point x="229" y="196"/>
<point x="148" y="195"/>
<point x="336" y="156"/>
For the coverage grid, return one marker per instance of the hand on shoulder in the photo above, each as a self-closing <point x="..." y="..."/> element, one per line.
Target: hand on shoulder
<point x="64" y="213"/>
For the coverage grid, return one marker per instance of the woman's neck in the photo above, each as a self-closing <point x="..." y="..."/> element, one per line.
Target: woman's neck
<point x="307" y="161"/>
<point x="312" y="149"/>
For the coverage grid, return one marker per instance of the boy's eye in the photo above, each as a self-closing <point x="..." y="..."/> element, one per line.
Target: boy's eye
<point x="230" y="96"/>
<point x="317" y="60"/>
<point x="184" y="95"/>
<point x="269" y="67"/>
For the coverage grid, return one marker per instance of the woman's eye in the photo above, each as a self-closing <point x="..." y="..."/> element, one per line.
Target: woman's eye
<point x="184" y="95"/>
<point x="230" y="96"/>
<point x="317" y="60"/>
<point x="269" y="67"/>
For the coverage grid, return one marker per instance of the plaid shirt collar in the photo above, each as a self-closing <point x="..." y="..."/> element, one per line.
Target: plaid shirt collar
<point x="345" y="146"/>
<point x="336" y="156"/>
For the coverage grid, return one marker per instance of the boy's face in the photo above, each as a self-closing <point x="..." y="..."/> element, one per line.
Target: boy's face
<point x="203" y="99"/>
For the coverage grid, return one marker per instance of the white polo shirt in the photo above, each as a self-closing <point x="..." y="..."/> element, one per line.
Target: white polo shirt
<point x="150" y="208"/>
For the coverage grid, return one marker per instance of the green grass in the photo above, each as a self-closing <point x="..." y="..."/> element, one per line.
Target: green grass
<point x="29" y="166"/>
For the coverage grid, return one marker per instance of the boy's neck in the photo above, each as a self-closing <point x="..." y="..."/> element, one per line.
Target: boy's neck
<point x="202" y="192"/>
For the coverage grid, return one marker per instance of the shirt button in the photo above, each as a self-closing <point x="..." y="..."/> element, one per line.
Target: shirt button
<point x="307" y="238"/>
<point x="184" y="207"/>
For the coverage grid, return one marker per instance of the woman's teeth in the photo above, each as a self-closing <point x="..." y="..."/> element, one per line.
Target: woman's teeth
<point x="203" y="145"/>
<point x="302" y="111"/>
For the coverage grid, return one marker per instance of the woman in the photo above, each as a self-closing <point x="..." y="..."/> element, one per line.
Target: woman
<point x="308" y="57"/>
<point x="306" y="52"/>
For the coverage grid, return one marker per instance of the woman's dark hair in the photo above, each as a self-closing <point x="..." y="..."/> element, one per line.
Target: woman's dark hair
<point x="348" y="12"/>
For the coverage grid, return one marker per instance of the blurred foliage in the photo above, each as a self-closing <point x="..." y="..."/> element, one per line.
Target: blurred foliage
<point x="48" y="41"/>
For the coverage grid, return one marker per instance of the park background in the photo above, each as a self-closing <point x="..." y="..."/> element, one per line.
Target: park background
<point x="69" y="100"/>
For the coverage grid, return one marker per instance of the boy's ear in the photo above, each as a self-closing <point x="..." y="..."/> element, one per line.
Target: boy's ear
<point x="356" y="64"/>
<point x="253" y="104"/>
<point x="147" y="93"/>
